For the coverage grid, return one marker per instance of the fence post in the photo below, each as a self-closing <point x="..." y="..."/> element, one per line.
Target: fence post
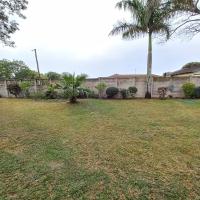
<point x="134" y="81"/>
<point x="6" y="88"/>
<point x="117" y="83"/>
<point x="35" y="85"/>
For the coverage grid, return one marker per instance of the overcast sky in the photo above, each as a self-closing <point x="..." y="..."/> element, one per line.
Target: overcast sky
<point x="72" y="36"/>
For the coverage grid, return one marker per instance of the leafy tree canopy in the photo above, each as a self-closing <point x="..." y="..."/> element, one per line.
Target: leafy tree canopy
<point x="187" y="16"/>
<point x="10" y="10"/>
<point x="16" y="70"/>
<point x="53" y="76"/>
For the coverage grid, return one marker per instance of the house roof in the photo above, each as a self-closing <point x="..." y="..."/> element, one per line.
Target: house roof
<point x="130" y="75"/>
<point x="188" y="69"/>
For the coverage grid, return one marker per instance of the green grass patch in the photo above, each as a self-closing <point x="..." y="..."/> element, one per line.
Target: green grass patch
<point x="99" y="149"/>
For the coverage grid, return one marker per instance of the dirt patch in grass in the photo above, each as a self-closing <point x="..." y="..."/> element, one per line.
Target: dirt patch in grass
<point x="55" y="165"/>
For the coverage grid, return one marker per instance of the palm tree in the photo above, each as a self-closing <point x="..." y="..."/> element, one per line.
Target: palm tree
<point x="149" y="17"/>
<point x="70" y="85"/>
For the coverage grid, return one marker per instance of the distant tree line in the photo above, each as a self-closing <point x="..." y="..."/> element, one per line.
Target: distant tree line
<point x="19" y="70"/>
<point x="16" y="70"/>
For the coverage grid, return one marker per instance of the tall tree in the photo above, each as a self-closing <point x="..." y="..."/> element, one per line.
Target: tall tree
<point x="16" y="69"/>
<point x="150" y="18"/>
<point x="8" y="26"/>
<point x="6" y="71"/>
<point x="188" y="13"/>
<point x="53" y="76"/>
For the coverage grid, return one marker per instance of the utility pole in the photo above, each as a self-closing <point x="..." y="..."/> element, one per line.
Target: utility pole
<point x="36" y="58"/>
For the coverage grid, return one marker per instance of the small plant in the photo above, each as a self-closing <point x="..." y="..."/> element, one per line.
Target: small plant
<point x="93" y="95"/>
<point x="112" y="91"/>
<point x="189" y="89"/>
<point x="83" y="93"/>
<point x="14" y="89"/>
<point x="197" y="92"/>
<point x="70" y="85"/>
<point x="51" y="93"/>
<point x="124" y="93"/>
<point x="38" y="95"/>
<point x="101" y="87"/>
<point x="25" y="86"/>
<point x="162" y="91"/>
<point x="132" y="91"/>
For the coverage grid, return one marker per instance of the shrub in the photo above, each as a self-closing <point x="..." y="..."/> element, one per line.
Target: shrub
<point x="51" y="93"/>
<point x="62" y="95"/>
<point x="132" y="91"/>
<point x="93" y="95"/>
<point x="38" y="95"/>
<point x="188" y="89"/>
<point x="25" y="86"/>
<point x="162" y="91"/>
<point x="197" y="92"/>
<point x="124" y="93"/>
<point x="14" y="89"/>
<point x="111" y="92"/>
<point x="70" y="85"/>
<point x="170" y="96"/>
<point x="101" y="87"/>
<point x="84" y="93"/>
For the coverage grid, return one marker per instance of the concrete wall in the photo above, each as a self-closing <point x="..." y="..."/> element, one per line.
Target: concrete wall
<point x="173" y="83"/>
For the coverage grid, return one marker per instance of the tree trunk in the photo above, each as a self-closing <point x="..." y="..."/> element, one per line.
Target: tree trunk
<point x="149" y="67"/>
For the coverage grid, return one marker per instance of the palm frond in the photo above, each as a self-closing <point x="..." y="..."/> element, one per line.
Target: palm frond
<point x="162" y="28"/>
<point x="80" y="79"/>
<point x="134" y="31"/>
<point x="149" y="16"/>
<point x="136" y="7"/>
<point x="120" y="27"/>
<point x="131" y="5"/>
<point x="129" y="31"/>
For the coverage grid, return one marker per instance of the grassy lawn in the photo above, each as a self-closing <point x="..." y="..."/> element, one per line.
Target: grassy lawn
<point x="99" y="149"/>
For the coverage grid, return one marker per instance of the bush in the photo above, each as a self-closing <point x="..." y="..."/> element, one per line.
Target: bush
<point x="112" y="91"/>
<point x="132" y="91"/>
<point x="197" y="92"/>
<point x="14" y="89"/>
<point x="51" y="93"/>
<point x="62" y="95"/>
<point x="83" y="93"/>
<point x="188" y="89"/>
<point x="93" y="95"/>
<point x="124" y="93"/>
<point x="25" y="86"/>
<point x="162" y="91"/>
<point x="38" y="95"/>
<point x="101" y="87"/>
